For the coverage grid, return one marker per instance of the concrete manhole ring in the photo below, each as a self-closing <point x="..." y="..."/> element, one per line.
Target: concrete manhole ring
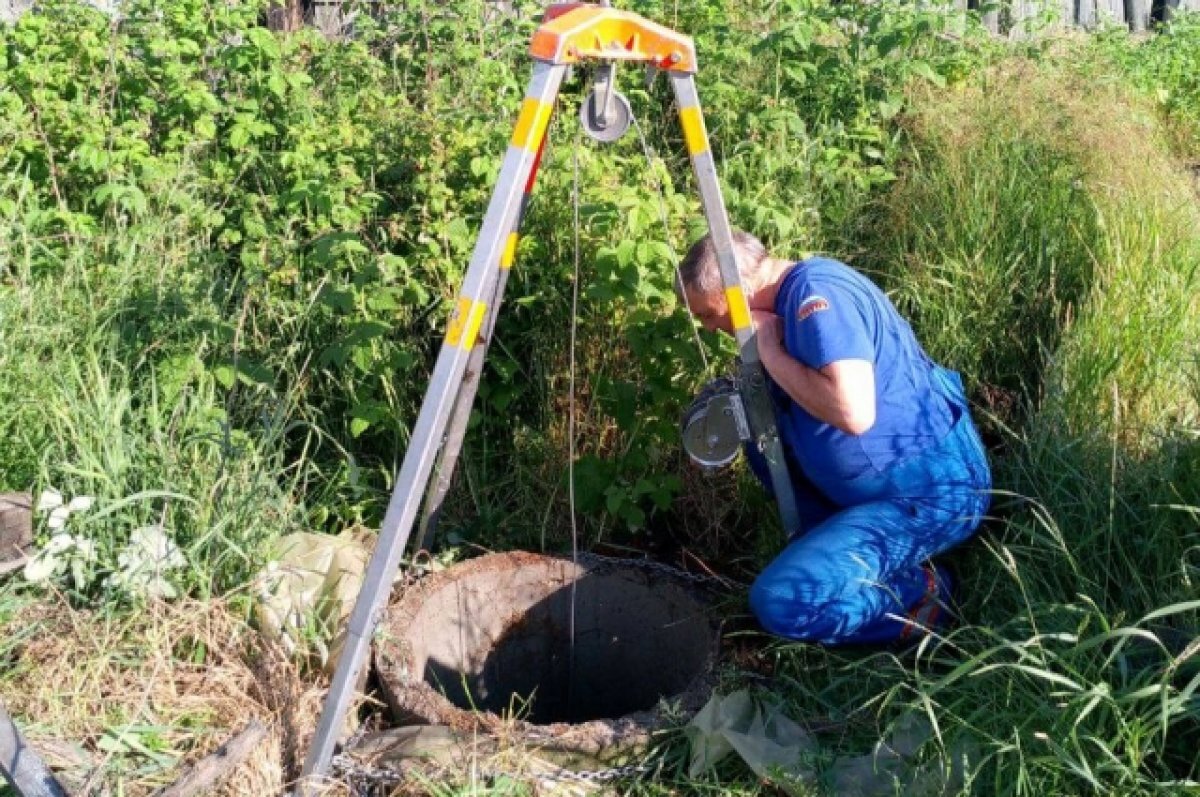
<point x="484" y="647"/>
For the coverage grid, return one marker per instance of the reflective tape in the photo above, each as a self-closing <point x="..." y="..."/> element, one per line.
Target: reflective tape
<point x="465" y="323"/>
<point x="531" y="124"/>
<point x="739" y="310"/>
<point x="510" y="251"/>
<point x="693" y="130"/>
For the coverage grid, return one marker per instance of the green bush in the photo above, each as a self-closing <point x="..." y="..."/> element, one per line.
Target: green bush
<point x="1167" y="67"/>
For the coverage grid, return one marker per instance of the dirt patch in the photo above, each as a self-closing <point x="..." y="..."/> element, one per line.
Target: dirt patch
<point x="16" y="529"/>
<point x="126" y="702"/>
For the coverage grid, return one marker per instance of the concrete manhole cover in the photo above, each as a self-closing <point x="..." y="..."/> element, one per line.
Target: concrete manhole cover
<point x="487" y="644"/>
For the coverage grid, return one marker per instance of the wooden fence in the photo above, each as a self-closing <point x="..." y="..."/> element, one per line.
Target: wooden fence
<point x="1017" y="17"/>
<point x="1011" y="17"/>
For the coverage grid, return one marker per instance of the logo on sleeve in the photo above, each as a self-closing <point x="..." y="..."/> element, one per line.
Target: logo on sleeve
<point x="813" y="304"/>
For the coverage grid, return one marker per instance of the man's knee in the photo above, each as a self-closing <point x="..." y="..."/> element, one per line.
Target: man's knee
<point x="799" y="606"/>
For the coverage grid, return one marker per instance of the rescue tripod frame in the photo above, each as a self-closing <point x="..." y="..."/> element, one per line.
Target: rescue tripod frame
<point x="570" y="33"/>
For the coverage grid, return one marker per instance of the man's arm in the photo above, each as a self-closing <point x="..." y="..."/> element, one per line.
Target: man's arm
<point x="841" y="394"/>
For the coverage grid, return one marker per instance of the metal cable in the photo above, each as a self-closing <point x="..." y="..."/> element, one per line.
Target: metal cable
<point x="571" y="417"/>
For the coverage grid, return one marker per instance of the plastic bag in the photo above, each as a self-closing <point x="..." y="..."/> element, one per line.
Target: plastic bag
<point x="892" y="766"/>
<point x="308" y="589"/>
<point x="766" y="739"/>
<point x="778" y="750"/>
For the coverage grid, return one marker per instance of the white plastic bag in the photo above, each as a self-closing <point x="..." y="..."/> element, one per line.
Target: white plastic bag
<point x="772" y="744"/>
<point x="308" y="589"/>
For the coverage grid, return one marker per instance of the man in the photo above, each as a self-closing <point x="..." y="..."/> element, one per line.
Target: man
<point x="887" y="466"/>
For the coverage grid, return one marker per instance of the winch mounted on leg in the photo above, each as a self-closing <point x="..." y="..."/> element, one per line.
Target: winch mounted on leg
<point x="570" y="33"/>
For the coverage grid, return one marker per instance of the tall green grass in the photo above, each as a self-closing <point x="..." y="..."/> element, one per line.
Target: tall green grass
<point x="1045" y="242"/>
<point x="106" y="395"/>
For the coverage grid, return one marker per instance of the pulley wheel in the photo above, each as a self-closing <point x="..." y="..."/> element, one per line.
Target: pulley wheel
<point x="620" y="116"/>
<point x="713" y="431"/>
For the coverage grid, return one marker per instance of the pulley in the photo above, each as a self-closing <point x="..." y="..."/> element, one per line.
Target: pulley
<point x="605" y="113"/>
<point x="714" y="427"/>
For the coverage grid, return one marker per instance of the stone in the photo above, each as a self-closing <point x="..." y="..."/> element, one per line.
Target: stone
<point x="16" y="530"/>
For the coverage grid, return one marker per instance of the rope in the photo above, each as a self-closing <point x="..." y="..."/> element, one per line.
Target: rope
<point x="660" y="192"/>
<point x="571" y="416"/>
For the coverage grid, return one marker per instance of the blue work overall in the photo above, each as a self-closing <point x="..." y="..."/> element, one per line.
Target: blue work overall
<point x="856" y="572"/>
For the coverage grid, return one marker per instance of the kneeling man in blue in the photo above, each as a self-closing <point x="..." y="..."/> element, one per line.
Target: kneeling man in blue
<point x="887" y="465"/>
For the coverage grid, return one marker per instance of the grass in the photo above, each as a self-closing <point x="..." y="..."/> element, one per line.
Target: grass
<point x="1042" y="234"/>
<point x="108" y="397"/>
<point x="1075" y="669"/>
<point x="129" y="697"/>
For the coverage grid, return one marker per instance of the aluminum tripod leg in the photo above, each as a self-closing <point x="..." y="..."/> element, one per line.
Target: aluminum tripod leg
<point x="759" y="409"/>
<point x="443" y="471"/>
<point x="477" y="289"/>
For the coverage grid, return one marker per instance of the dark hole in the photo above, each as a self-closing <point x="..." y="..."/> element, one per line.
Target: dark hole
<point x="635" y="642"/>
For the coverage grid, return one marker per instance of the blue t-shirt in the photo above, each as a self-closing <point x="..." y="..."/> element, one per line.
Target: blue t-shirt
<point x="830" y="312"/>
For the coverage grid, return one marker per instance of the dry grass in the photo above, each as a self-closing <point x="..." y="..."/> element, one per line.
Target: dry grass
<point x="128" y="701"/>
<point x="1126" y="338"/>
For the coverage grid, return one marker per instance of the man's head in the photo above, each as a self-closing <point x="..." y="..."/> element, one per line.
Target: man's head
<point x="700" y="285"/>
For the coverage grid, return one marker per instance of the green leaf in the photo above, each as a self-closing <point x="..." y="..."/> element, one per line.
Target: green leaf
<point x="264" y="41"/>
<point x="242" y="370"/>
<point x="383" y="301"/>
<point x="890" y="107"/>
<point x="633" y="515"/>
<point x="626" y="251"/>
<point x="205" y="127"/>
<point x="614" y="499"/>
<point x="239" y="136"/>
<point x="923" y="69"/>
<point x="224" y="375"/>
<point x="277" y="85"/>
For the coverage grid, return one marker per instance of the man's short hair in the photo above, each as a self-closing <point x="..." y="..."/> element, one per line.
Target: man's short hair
<point x="700" y="273"/>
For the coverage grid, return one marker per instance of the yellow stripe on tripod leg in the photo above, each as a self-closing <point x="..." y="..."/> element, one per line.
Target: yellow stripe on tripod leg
<point x="510" y="251"/>
<point x="739" y="310"/>
<point x="531" y="124"/>
<point x="693" y="130"/>
<point x="465" y="323"/>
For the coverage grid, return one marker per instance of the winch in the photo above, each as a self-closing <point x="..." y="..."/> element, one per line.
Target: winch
<point x="715" y="425"/>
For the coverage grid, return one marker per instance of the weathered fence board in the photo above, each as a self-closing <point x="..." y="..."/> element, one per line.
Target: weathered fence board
<point x="1018" y="18"/>
<point x="1171" y="6"/>
<point x="1116" y="11"/>
<point x="1012" y="17"/>
<point x="1137" y="12"/>
<point x="11" y="9"/>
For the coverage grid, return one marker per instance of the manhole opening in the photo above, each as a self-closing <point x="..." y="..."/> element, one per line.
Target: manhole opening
<point x="499" y="639"/>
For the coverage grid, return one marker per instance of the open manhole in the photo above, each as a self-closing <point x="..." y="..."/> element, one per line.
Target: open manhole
<point x="490" y="641"/>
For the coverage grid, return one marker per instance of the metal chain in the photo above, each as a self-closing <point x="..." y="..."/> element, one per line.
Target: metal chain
<point x="599" y="775"/>
<point x="703" y="579"/>
<point x="342" y="766"/>
<point x="359" y="774"/>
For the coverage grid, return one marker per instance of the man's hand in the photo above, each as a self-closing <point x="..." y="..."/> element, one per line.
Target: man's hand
<point x="770" y="336"/>
<point x="841" y="394"/>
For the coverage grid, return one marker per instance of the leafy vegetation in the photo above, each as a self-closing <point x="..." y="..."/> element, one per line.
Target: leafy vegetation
<point x="226" y="257"/>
